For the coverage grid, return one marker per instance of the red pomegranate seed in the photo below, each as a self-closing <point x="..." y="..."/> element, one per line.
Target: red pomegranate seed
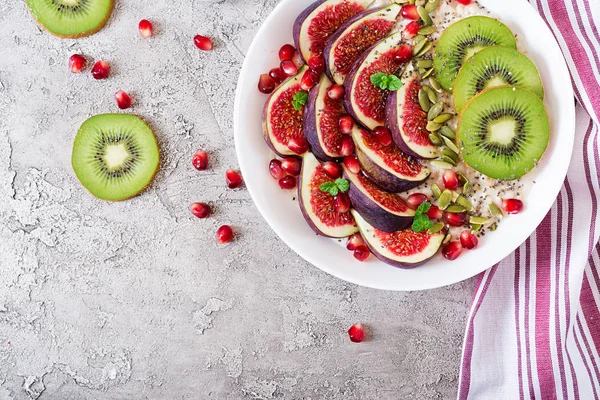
<point x="468" y="240"/>
<point x="333" y="170"/>
<point x="412" y="29"/>
<point x="101" y="69"/>
<point x="123" y="100"/>
<point x="435" y="213"/>
<point x="354" y="241"/>
<point x="452" y="250"/>
<point x="464" y="2"/>
<point x="336" y="92"/>
<point x="278" y="75"/>
<point x="289" y="67"/>
<point x="266" y="84"/>
<point x="275" y="169"/>
<point x="341" y="202"/>
<point x="409" y="11"/>
<point x="361" y="253"/>
<point x="200" y="160"/>
<point x="383" y="135"/>
<point x="309" y="79"/>
<point x="317" y="64"/>
<point x="347" y="146"/>
<point x="351" y="163"/>
<point x="76" y="63"/>
<point x="287" y="182"/>
<point x="512" y="206"/>
<point x="224" y="234"/>
<point x="233" y="179"/>
<point x="356" y="333"/>
<point x="286" y="52"/>
<point x="200" y="210"/>
<point x="450" y="179"/>
<point x="297" y="60"/>
<point x="203" y="42"/>
<point x="416" y="199"/>
<point x="145" y="28"/>
<point x="298" y="145"/>
<point x="404" y="54"/>
<point x="346" y="124"/>
<point x="455" y="219"/>
<point x="291" y="165"/>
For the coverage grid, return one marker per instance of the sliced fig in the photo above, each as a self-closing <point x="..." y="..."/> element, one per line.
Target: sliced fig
<point x="407" y="121"/>
<point x="355" y="37"/>
<point x="404" y="248"/>
<point x="386" y="211"/>
<point x="280" y="120"/>
<point x="364" y="101"/>
<point x="320" y="20"/>
<point x="318" y="206"/>
<point x="387" y="166"/>
<point x="321" y="121"/>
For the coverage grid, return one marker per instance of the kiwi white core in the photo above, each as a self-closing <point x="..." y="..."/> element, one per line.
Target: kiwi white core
<point x="115" y="156"/>
<point x="503" y="131"/>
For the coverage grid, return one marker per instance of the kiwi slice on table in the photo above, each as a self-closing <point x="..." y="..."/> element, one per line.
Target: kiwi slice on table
<point x="492" y="67"/>
<point x="463" y="39"/>
<point x="71" y="18"/>
<point x="503" y="132"/>
<point x="115" y="156"/>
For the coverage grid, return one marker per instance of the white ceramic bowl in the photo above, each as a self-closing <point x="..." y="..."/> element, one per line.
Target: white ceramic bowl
<point x="330" y="255"/>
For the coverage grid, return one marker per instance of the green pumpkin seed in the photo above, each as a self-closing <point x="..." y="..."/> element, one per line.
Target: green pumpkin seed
<point x="437" y="192"/>
<point x="462" y="179"/>
<point x="455" y="208"/>
<point x="475" y="228"/>
<point x="467" y="189"/>
<point x="478" y="220"/>
<point x="450" y="144"/>
<point x="465" y="203"/>
<point x="449" y="160"/>
<point x="493" y="227"/>
<point x="427" y="73"/>
<point x="455" y="196"/>
<point x="424" y="15"/>
<point x="424" y="63"/>
<point x="424" y="100"/>
<point x="450" y="154"/>
<point x="435" y="84"/>
<point x="419" y="45"/>
<point x="443" y="118"/>
<point x="420" y="2"/>
<point x="448" y="132"/>
<point x="434" y="111"/>
<point x="426" y="30"/>
<point x="445" y="199"/>
<point x="497" y="212"/>
<point x="435" y="228"/>
<point x="427" y="45"/>
<point x="435" y="139"/>
<point x="447" y="239"/>
<point x="418" y="39"/>
<point x="431" y="94"/>
<point x="441" y="164"/>
<point x="431" y="5"/>
<point x="433" y="126"/>
<point x="411" y="1"/>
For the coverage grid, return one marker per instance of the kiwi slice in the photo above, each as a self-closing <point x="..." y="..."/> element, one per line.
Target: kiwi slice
<point x="495" y="66"/>
<point x="115" y="156"/>
<point x="71" y="18"/>
<point x="503" y="132"/>
<point x="463" y="39"/>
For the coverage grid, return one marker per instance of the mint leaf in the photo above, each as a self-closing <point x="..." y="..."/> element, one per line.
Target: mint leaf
<point x="342" y="184"/>
<point x="378" y="78"/>
<point x="328" y="187"/>
<point x="394" y="83"/>
<point x="421" y="223"/>
<point x="385" y="81"/>
<point x="423" y="208"/>
<point x="299" y="100"/>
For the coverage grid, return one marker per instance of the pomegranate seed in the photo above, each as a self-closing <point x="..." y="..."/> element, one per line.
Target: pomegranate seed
<point x="468" y="240"/>
<point x="123" y="100"/>
<point x="297" y="60"/>
<point x="351" y="163"/>
<point x="361" y="253"/>
<point x="512" y="206"/>
<point x="203" y="42"/>
<point x="354" y="241"/>
<point x="317" y="64"/>
<point x="266" y="84"/>
<point x="452" y="250"/>
<point x="76" y="63"/>
<point x="347" y="146"/>
<point x="404" y="54"/>
<point x="416" y="199"/>
<point x="287" y="182"/>
<point x="101" y="69"/>
<point x="275" y="169"/>
<point x="278" y="75"/>
<point x="286" y="53"/>
<point x="412" y="29"/>
<point x="291" y="165"/>
<point x="346" y="124"/>
<point x="336" y="92"/>
<point x="383" y="135"/>
<point x="409" y="11"/>
<point x="455" y="219"/>
<point x="298" y="145"/>
<point x="145" y="28"/>
<point x="332" y="169"/>
<point x="435" y="213"/>
<point x="450" y="179"/>
<point x="309" y="79"/>
<point x="200" y="160"/>
<point x="356" y="333"/>
<point x="341" y="202"/>
<point x="200" y="210"/>
<point x="233" y="179"/>
<point x="464" y="2"/>
<point x="289" y="67"/>
<point x="224" y="234"/>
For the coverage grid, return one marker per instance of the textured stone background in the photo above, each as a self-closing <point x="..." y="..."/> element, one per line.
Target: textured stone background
<point x="136" y="299"/>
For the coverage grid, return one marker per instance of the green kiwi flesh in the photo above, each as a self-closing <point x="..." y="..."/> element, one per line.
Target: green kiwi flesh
<point x="492" y="67"/>
<point x="463" y="39"/>
<point x="71" y="18"/>
<point x="503" y="132"/>
<point x="115" y="156"/>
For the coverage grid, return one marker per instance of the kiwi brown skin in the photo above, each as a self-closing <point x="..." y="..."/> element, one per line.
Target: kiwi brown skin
<point x="82" y="34"/>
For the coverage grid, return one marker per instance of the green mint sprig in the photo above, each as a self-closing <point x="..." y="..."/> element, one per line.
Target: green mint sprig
<point x="299" y="100"/>
<point x="421" y="221"/>
<point x="333" y="188"/>
<point x="385" y="81"/>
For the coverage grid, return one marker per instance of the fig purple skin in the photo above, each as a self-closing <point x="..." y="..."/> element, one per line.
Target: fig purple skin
<point x="382" y="178"/>
<point x="298" y="24"/>
<point x="391" y="121"/>
<point x="309" y="122"/>
<point x="397" y="264"/>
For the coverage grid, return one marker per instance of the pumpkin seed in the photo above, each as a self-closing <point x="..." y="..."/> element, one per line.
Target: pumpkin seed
<point x="441" y="164"/>
<point x="424" y="63"/>
<point x="433" y="126"/>
<point x="420" y="2"/>
<point x="455" y="196"/>
<point x="467" y="189"/>
<point x="431" y="5"/>
<point x="443" y="118"/>
<point x="426" y="30"/>
<point x="419" y="45"/>
<point x="447" y="239"/>
<point x="445" y="199"/>
<point x="418" y="38"/>
<point x="424" y="15"/>
<point x="497" y="212"/>
<point x="424" y="100"/>
<point x="493" y="227"/>
<point x="427" y="45"/>
<point x="455" y="208"/>
<point x="449" y="160"/>
<point x="475" y="228"/>
<point x="435" y="228"/>
<point x="434" y="111"/>
<point x="435" y="84"/>
<point x="435" y="139"/>
<point x="465" y="203"/>
<point x="450" y="144"/>
<point x="431" y="94"/>
<point x="422" y="71"/>
<point x="427" y="73"/>
<point x="462" y="179"/>
<point x="478" y="220"/>
<point x="411" y="1"/>
<point x="437" y="192"/>
<point x="448" y="132"/>
<point x="450" y="154"/>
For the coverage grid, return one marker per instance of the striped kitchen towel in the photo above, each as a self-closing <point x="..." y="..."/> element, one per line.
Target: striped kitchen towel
<point x="534" y="328"/>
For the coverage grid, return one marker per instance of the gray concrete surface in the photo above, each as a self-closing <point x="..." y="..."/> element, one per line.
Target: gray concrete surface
<point x="136" y="300"/>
